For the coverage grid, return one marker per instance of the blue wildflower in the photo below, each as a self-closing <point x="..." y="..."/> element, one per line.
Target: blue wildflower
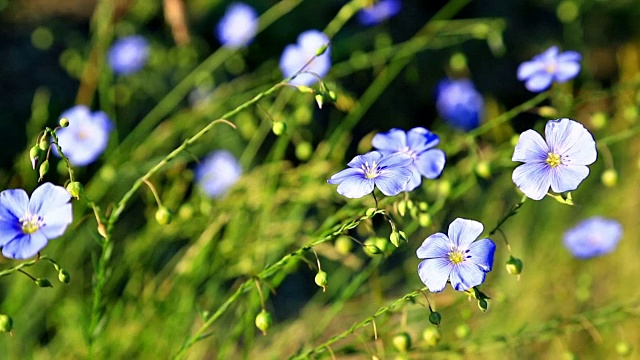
<point x="457" y="258"/>
<point x="459" y="103"/>
<point x="593" y="237"/>
<point x="543" y="69"/>
<point x="295" y="56"/>
<point x="390" y="173"/>
<point x="217" y="173"/>
<point x="560" y="162"/>
<point x="128" y="54"/>
<point x="417" y="143"/>
<point x="238" y="26"/>
<point x="26" y="225"/>
<point x="86" y="137"/>
<point x="379" y="11"/>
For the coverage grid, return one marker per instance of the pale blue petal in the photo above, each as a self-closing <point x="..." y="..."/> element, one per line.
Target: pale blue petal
<point x="354" y="188"/>
<point x="530" y="148"/>
<point x="48" y="198"/>
<point x="25" y="246"/>
<point x="9" y="230"/>
<point x="431" y="163"/>
<point x="529" y="68"/>
<point x="572" y="141"/>
<point x="415" y="180"/>
<point x="566" y="71"/>
<point x="466" y="275"/>
<point x="567" y="178"/>
<point x="533" y="179"/>
<point x="346" y="174"/>
<point x="434" y="246"/>
<point x="539" y="82"/>
<point x="481" y="253"/>
<point x="393" y="180"/>
<point x="420" y="139"/>
<point x="393" y="140"/>
<point x="394" y="161"/>
<point x="593" y="237"/>
<point x="462" y="232"/>
<point x="569" y="56"/>
<point x="370" y="157"/>
<point x="434" y="273"/>
<point x="549" y="54"/>
<point x="13" y="204"/>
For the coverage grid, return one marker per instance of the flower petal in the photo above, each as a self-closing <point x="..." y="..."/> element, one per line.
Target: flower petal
<point x="434" y="273"/>
<point x="481" y="253"/>
<point x="572" y="141"/>
<point x="530" y="148"/>
<point x="370" y="157"/>
<point x="569" y="56"/>
<point x="533" y="179"/>
<point x="539" y="82"/>
<point x="566" y="71"/>
<point x="434" y="246"/>
<point x="355" y="187"/>
<point x="415" y="180"/>
<point x="393" y="140"/>
<point x="420" y="139"/>
<point x="567" y="178"/>
<point x="397" y="160"/>
<point x="466" y="275"/>
<point x="25" y="246"/>
<point x="462" y="232"/>
<point x="345" y="174"/>
<point x="393" y="180"/>
<point x="431" y="163"/>
<point x="529" y="68"/>
<point x="13" y="204"/>
<point x="48" y="197"/>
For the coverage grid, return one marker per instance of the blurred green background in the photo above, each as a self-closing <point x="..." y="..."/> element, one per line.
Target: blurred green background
<point x="162" y="283"/>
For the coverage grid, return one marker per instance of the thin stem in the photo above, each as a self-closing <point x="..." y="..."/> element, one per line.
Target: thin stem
<point x="153" y="190"/>
<point x="514" y="209"/>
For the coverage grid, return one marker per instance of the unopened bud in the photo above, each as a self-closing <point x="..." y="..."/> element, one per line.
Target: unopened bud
<point x="305" y="89"/>
<point x="163" y="215"/>
<point x="322" y="280"/>
<point x="609" y="178"/>
<point x="102" y="230"/>
<point x="43" y="144"/>
<point x="6" y="323"/>
<point x="483" y="305"/>
<point x="44" y="169"/>
<point x="483" y="169"/>
<point x="431" y="336"/>
<point x="320" y="100"/>
<point x="547" y="112"/>
<point x="514" y="266"/>
<point x="322" y="49"/>
<point x="75" y="189"/>
<point x="435" y="318"/>
<point x="264" y="321"/>
<point x="370" y="212"/>
<point x="64" y="122"/>
<point x="395" y="238"/>
<point x="623" y="348"/>
<point x="402" y="342"/>
<point x="34" y="155"/>
<point x="343" y="244"/>
<point x="424" y="219"/>
<point x="462" y="331"/>
<point x="43" y="283"/>
<point x="64" y="276"/>
<point x="279" y="127"/>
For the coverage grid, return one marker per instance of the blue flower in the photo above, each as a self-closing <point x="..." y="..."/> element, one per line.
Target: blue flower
<point x="26" y="225"/>
<point x="379" y="11"/>
<point x="390" y="173"/>
<point x="86" y="137"/>
<point x="217" y="173"/>
<point x="457" y="258"/>
<point x="459" y="103"/>
<point x="560" y="162"/>
<point x="128" y="54"/>
<point x="417" y="143"/>
<point x="593" y="237"/>
<point x="544" y="68"/>
<point x="238" y="26"/>
<point x="295" y="56"/>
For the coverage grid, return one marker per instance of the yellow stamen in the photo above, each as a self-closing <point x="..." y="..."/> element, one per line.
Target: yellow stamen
<point x="553" y="159"/>
<point x="456" y="256"/>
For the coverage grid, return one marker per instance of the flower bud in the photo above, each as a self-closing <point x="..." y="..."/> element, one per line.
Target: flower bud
<point x="43" y="283"/>
<point x="395" y="238"/>
<point x="370" y="212"/>
<point x="322" y="49"/>
<point x="102" y="230"/>
<point x="609" y="178"/>
<point x="6" y="323"/>
<point x="332" y="96"/>
<point x="264" y="321"/>
<point x="424" y="219"/>
<point x="548" y="112"/>
<point x="64" y="122"/>
<point x="483" y="305"/>
<point x="402" y="207"/>
<point x="44" y="168"/>
<point x="435" y="318"/>
<point x="75" y="189"/>
<point x="279" y="127"/>
<point x="34" y="155"/>
<point x="483" y="169"/>
<point x="164" y="216"/>
<point x="64" y="276"/>
<point x="320" y="100"/>
<point x="304" y="150"/>
<point x="623" y="348"/>
<point x="43" y="144"/>
<point x="462" y="331"/>
<point x="343" y="244"/>
<point x="322" y="280"/>
<point x="305" y="89"/>
<point x="514" y="266"/>
<point x="431" y="336"/>
<point x="402" y="342"/>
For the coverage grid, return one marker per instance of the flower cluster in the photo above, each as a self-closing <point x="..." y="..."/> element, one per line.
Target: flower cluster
<point x="26" y="225"/>
<point x="304" y="52"/>
<point x="543" y="69"/>
<point x="238" y="26"/>
<point x="398" y="165"/>
<point x="128" y="55"/>
<point x="86" y="137"/>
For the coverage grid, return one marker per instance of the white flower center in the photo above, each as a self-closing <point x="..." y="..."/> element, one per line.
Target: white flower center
<point x="456" y="256"/>
<point x="370" y="171"/>
<point x="553" y="160"/>
<point x="31" y="223"/>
